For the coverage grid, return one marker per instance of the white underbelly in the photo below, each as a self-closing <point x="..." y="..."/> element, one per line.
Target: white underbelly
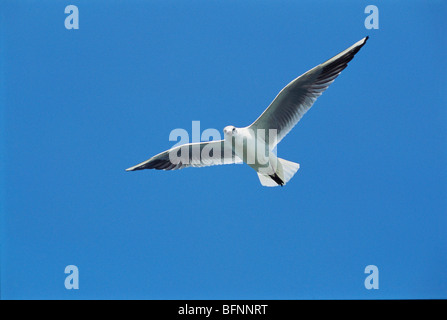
<point x="256" y="154"/>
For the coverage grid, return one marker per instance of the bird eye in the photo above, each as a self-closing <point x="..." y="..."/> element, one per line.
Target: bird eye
<point x="234" y="130"/>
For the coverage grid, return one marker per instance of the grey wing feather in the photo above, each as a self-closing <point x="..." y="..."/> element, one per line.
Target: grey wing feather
<point x="298" y="96"/>
<point x="191" y="155"/>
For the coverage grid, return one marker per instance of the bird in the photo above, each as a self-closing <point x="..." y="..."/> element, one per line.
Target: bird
<point x="255" y="144"/>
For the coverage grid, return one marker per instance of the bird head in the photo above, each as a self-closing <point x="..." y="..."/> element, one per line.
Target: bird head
<point x="230" y="131"/>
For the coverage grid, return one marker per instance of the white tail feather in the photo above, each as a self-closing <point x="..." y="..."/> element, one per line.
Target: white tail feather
<point x="288" y="169"/>
<point x="285" y="171"/>
<point x="266" y="181"/>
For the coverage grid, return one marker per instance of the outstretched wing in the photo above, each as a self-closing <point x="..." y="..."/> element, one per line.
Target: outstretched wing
<point x="201" y="154"/>
<point x="298" y="96"/>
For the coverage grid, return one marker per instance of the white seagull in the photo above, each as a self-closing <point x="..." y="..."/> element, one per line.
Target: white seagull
<point x="255" y="144"/>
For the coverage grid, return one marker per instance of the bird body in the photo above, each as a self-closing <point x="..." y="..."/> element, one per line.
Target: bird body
<point x="254" y="149"/>
<point x="256" y="143"/>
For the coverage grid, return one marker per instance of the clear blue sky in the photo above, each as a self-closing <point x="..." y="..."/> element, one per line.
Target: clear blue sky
<point x="80" y="106"/>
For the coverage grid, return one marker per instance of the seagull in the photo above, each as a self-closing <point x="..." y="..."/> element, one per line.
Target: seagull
<point x="255" y="145"/>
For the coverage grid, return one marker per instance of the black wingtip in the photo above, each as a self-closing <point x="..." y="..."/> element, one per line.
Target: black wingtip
<point x="277" y="179"/>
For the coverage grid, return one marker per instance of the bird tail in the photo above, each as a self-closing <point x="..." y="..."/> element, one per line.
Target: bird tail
<point x="284" y="172"/>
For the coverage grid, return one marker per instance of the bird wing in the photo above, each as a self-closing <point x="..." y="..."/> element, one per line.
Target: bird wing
<point x="201" y="154"/>
<point x="298" y="96"/>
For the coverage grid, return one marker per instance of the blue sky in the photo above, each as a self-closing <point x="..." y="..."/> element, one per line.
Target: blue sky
<point x="80" y="106"/>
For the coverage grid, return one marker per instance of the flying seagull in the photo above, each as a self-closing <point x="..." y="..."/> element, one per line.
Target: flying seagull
<point x="255" y="144"/>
